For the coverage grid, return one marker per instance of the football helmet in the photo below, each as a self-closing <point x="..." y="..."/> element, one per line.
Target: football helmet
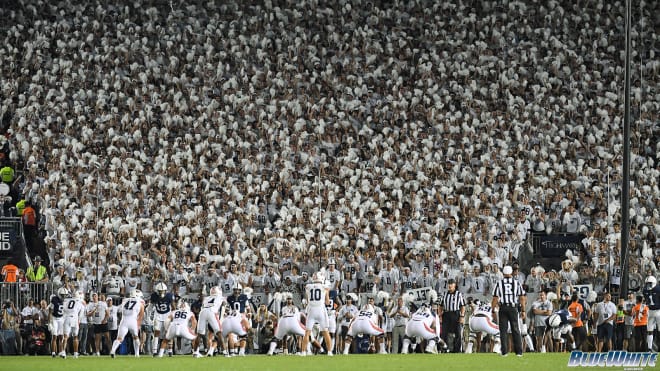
<point x="136" y="294"/>
<point x="79" y="295"/>
<point x="161" y="288"/>
<point x="650" y="282"/>
<point x="368" y="307"/>
<point x="182" y="305"/>
<point x="318" y="277"/>
<point x="215" y="291"/>
<point x="63" y="292"/>
<point x="237" y="288"/>
<point x="554" y="320"/>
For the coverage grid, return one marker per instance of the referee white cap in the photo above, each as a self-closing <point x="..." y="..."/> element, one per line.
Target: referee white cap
<point x="507" y="270"/>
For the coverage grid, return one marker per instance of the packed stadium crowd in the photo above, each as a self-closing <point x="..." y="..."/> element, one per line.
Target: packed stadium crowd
<point x="396" y="146"/>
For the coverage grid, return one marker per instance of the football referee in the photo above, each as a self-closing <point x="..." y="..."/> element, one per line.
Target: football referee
<point x="453" y="315"/>
<point x="508" y="295"/>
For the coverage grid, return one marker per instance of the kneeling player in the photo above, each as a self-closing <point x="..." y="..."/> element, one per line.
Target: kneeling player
<point x="482" y="322"/>
<point x="182" y="323"/>
<point x="366" y="323"/>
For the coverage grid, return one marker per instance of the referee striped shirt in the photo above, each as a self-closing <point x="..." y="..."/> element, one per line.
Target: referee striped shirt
<point x="452" y="302"/>
<point x="508" y="290"/>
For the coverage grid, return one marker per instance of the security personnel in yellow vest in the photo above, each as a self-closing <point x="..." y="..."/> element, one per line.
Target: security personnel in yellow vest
<point x="37" y="272"/>
<point x="20" y="206"/>
<point x="7" y="174"/>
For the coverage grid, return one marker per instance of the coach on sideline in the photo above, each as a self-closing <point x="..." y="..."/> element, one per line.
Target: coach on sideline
<point x="508" y="294"/>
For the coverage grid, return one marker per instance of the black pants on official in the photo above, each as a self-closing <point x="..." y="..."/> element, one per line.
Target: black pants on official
<point x="450" y="325"/>
<point x="508" y="318"/>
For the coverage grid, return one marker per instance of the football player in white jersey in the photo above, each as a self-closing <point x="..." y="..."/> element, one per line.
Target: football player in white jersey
<point x="209" y="315"/>
<point x="289" y="323"/>
<point x="318" y="297"/>
<point x="182" y="324"/>
<point x="132" y="313"/>
<point x="481" y="322"/>
<point x="235" y="324"/>
<point x="366" y="323"/>
<point x="74" y="310"/>
<point x="424" y="323"/>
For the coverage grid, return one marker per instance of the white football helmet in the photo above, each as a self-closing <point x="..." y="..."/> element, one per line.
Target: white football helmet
<point x="79" y="295"/>
<point x="63" y="292"/>
<point x="237" y="289"/>
<point x="215" y="291"/>
<point x="368" y="307"/>
<point x="650" y="282"/>
<point x="161" y="288"/>
<point x="318" y="277"/>
<point x="182" y="305"/>
<point x="137" y="294"/>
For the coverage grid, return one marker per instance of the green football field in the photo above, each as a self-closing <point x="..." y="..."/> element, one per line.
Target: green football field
<point x="532" y="361"/>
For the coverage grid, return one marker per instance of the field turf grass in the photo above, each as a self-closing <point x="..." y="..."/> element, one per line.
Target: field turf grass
<point x="413" y="362"/>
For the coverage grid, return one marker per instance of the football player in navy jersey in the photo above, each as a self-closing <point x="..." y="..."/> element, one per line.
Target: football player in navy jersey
<point x="651" y="293"/>
<point x="56" y="321"/>
<point x="238" y="301"/>
<point x="163" y="302"/>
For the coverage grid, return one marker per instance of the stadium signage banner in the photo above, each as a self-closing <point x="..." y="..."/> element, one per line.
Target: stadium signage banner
<point x="616" y="358"/>
<point x="555" y="245"/>
<point x="7" y="240"/>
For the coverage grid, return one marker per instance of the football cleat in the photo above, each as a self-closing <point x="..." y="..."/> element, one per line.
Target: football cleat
<point x="112" y="355"/>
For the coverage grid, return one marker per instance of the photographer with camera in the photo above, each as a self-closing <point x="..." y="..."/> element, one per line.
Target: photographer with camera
<point x="11" y="329"/>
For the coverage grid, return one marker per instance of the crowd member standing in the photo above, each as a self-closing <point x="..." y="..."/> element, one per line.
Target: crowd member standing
<point x="640" y="315"/>
<point x="579" y="331"/>
<point x="508" y="295"/>
<point x="605" y="313"/>
<point x="98" y="313"/>
<point x="542" y="309"/>
<point x="453" y="315"/>
<point x="400" y="313"/>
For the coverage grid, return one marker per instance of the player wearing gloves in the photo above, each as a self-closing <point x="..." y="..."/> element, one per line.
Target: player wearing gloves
<point x="182" y="323"/>
<point x="74" y="310"/>
<point x="481" y="322"/>
<point x="289" y="323"/>
<point x="163" y="301"/>
<point x="132" y="313"/>
<point x="209" y="316"/>
<point x="318" y="298"/>
<point x="366" y="323"/>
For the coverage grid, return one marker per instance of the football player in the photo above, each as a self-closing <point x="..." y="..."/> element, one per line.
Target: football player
<point x="560" y="328"/>
<point x="209" y="316"/>
<point x="424" y="323"/>
<point x="132" y="313"/>
<point x="235" y="324"/>
<point x="289" y="323"/>
<point x="318" y="297"/>
<point x="651" y="294"/>
<point x="182" y="324"/>
<point x="481" y="322"/>
<point x="366" y="323"/>
<point x="163" y="301"/>
<point x="56" y="321"/>
<point x="74" y="309"/>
